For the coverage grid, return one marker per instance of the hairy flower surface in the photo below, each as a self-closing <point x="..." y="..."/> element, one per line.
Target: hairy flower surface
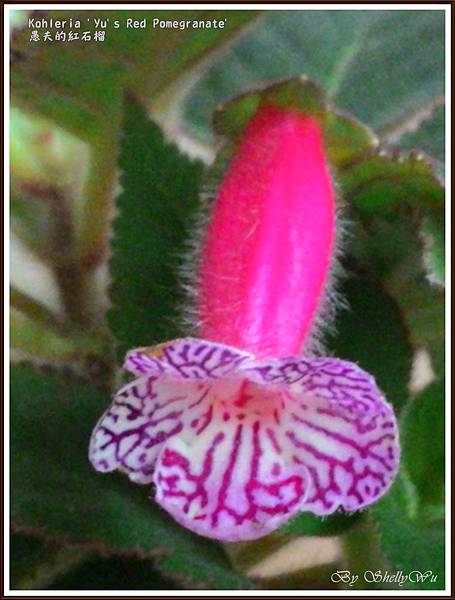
<point x="270" y="238"/>
<point x="238" y="431"/>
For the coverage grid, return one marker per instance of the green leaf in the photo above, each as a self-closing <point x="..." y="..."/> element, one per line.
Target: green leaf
<point x="362" y="554"/>
<point x="155" y="209"/>
<point x="429" y="136"/>
<point x="410" y="543"/>
<point x="309" y="524"/>
<point x="35" y="563"/>
<point x="410" y="517"/>
<point x="402" y="199"/>
<point x="45" y="342"/>
<point x="377" y="183"/>
<point x="39" y="335"/>
<point x="371" y="333"/>
<point x="114" y="573"/>
<point x="346" y="139"/>
<point x="48" y="168"/>
<point x="381" y="65"/>
<point x="64" y="88"/>
<point x="390" y="247"/>
<point x="56" y="492"/>
<point x="423" y="442"/>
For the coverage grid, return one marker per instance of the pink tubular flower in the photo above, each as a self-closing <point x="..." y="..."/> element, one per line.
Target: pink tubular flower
<point x="237" y="431"/>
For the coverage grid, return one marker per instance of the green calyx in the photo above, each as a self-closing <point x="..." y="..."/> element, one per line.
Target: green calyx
<point x="346" y="138"/>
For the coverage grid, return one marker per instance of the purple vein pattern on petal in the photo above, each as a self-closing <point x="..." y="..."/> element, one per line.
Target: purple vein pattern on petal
<point x="339" y="426"/>
<point x="236" y="446"/>
<point x="158" y="404"/>
<point x="142" y="416"/>
<point x="189" y="358"/>
<point x="234" y="480"/>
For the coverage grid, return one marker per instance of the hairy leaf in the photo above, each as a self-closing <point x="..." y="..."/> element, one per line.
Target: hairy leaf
<point x="113" y="573"/>
<point x="371" y="333"/>
<point x="378" y="182"/>
<point x="35" y="563"/>
<point x="390" y="247"/>
<point x="309" y="524"/>
<point x="423" y="442"/>
<point x="411" y="543"/>
<point x="155" y="210"/>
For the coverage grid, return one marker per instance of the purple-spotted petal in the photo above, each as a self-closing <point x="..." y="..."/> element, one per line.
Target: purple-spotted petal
<point x="338" y="425"/>
<point x="187" y="358"/>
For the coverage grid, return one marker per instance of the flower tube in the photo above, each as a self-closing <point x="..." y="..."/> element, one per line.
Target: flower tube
<point x="267" y="252"/>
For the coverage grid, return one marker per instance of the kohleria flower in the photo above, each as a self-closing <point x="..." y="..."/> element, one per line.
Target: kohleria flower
<point x="238" y="431"/>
